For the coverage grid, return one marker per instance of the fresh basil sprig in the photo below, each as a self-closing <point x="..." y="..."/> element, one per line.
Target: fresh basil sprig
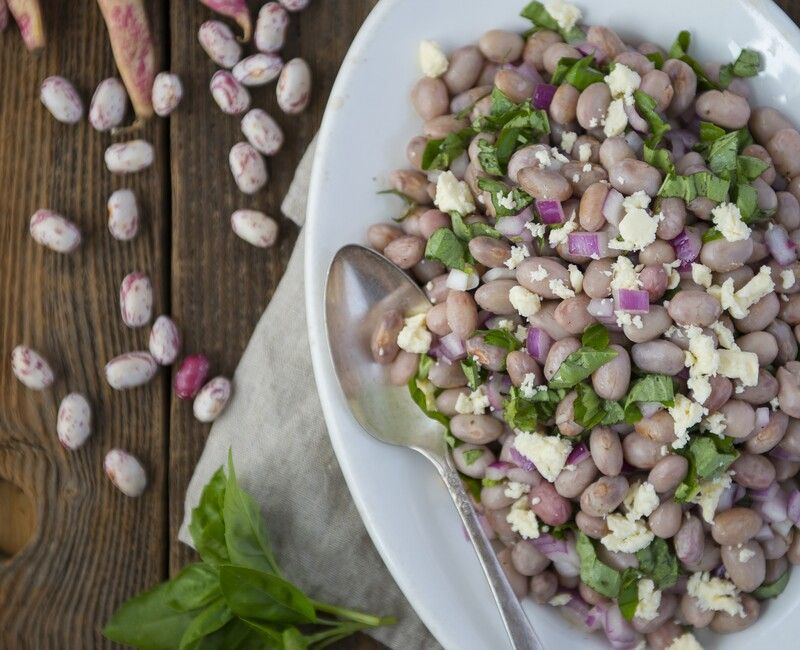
<point x="576" y="72"/>
<point x="237" y="597"/>
<point x="444" y="246"/>
<point x="541" y="19"/>
<point x="709" y="457"/>
<point x="747" y="64"/>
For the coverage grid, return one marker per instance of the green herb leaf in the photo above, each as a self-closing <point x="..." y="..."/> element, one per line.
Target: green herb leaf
<point x="440" y="153"/>
<point x="657" y="58"/>
<point x="472" y="455"/>
<point x="773" y="589"/>
<point x="680" y="49"/>
<point x="245" y="530"/>
<point x="710" y="132"/>
<point x="424" y="400"/>
<point x="650" y="388"/>
<point x="410" y="204"/>
<point x="495" y="188"/>
<point x="711" y="186"/>
<point x="646" y="107"/>
<point x="595" y="336"/>
<point x="579" y="365"/>
<point x="425" y="363"/>
<point x="264" y="596"/>
<point x="721" y="156"/>
<point x="207" y="526"/>
<point x="213" y="618"/>
<point x="709" y="457"/>
<point x="576" y="72"/>
<point x="712" y="234"/>
<point x="747" y="64"/>
<point x="500" y="338"/>
<point x="628" y="598"/>
<point x="525" y="414"/>
<point x="541" y="18"/>
<point x="445" y="247"/>
<point x="746" y="199"/>
<point x="594" y="573"/>
<point x="590" y="410"/>
<point x="487" y="157"/>
<point x="473" y="372"/>
<point x="194" y="587"/>
<point x="659" y="563"/>
<point x="468" y="231"/>
<point x="659" y="158"/>
<point x="750" y="168"/>
<point x="681" y="187"/>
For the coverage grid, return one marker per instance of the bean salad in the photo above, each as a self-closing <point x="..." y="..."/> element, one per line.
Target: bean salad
<point x="607" y="233"/>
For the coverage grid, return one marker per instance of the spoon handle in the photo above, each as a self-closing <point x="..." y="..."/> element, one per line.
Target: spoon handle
<point x="517" y="625"/>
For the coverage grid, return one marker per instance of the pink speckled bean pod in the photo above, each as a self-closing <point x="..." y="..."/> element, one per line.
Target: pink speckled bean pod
<point x="231" y="96"/>
<point x="262" y="132"/>
<point x="108" y="106"/>
<point x="136" y="299"/>
<point x="28" y="15"/>
<point x="248" y="168"/>
<point x="165" y="341"/>
<point x="295" y="5"/>
<point x="271" y="28"/>
<point x="191" y="376"/>
<point x="129" y="157"/>
<point x="74" y="424"/>
<point x="258" y="69"/>
<point x="130" y="370"/>
<point x="294" y="87"/>
<point x="255" y="227"/>
<point x="218" y="41"/>
<point x="236" y="9"/>
<point x="125" y="472"/>
<point x="57" y="233"/>
<point x="123" y="215"/>
<point x="167" y="93"/>
<point x="212" y="399"/>
<point x="61" y="99"/>
<point x="132" y="44"/>
<point x="31" y="368"/>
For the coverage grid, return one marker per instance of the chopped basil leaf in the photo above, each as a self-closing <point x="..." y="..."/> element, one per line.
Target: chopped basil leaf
<point x="710" y="132"/>
<point x="657" y="58"/>
<point x="773" y="589"/>
<point x="473" y="372"/>
<point x="712" y="234"/>
<point x="468" y="231"/>
<point x="750" y="168"/>
<point x="472" y="455"/>
<point x="595" y="336"/>
<point x="425" y="363"/>
<point x="747" y="64"/>
<point x="681" y="187"/>
<point x="524" y="414"/>
<point x="659" y="563"/>
<point x="680" y="49"/>
<point x="722" y="153"/>
<point x="459" y="227"/>
<point x="590" y="410"/>
<point x="576" y="72"/>
<point x="560" y="531"/>
<point x="487" y="157"/>
<point x="541" y="18"/>
<point x="410" y="204"/>
<point x="650" y="388"/>
<point x="445" y="247"/>
<point x="579" y="365"/>
<point x="594" y="573"/>
<point x="711" y="186"/>
<point x="659" y="158"/>
<point x="709" y="457"/>
<point x="628" y="598"/>
<point x="646" y="106"/>
<point x="746" y="199"/>
<point x="496" y="188"/>
<point x="422" y="394"/>
<point x="473" y="485"/>
<point x="500" y="338"/>
<point x="439" y="154"/>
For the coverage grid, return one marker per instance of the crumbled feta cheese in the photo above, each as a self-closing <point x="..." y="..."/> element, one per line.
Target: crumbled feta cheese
<point x="715" y="423"/>
<point x="525" y="302"/>
<point x="453" y="195"/>
<point x="708" y="495"/>
<point x="415" y="337"/>
<point x="475" y="403"/>
<point x="641" y="500"/>
<point x="624" y="318"/>
<point x="506" y="200"/>
<point x="637" y="228"/>
<point x="548" y="453"/>
<point x="593" y="122"/>
<point x="564" y="13"/>
<point x="560" y="289"/>
<point x="575" y="278"/>
<point x="558" y="156"/>
<point x="585" y="152"/>
<point x="587" y="167"/>
<point x="787" y="278"/>
<point x="724" y="336"/>
<point x="518" y="253"/>
<point x="576" y="177"/>
<point x="701" y="274"/>
<point x="521" y="334"/>
<point x="622" y="81"/>
<point x="568" y="140"/>
<point x="728" y="220"/>
<point x="738" y="303"/>
<point x="636" y="201"/>
<point x="515" y="489"/>
<point x="523" y="519"/>
<point x="560" y="235"/>
<point x="746" y="554"/>
<point x="702" y="360"/>
<point x="649" y="600"/>
<point x="738" y="389"/>
<point x="624" y="275"/>
<point x="775" y="403"/>
<point x="530" y="385"/>
<point x="685" y="642"/>
<point x="735" y="364"/>
<point x="715" y="594"/>
<point x="537" y="229"/>
<point x="686" y="413"/>
<point x="626" y="536"/>
<point x="505" y="324"/>
<point x="432" y="60"/>
<point x="616" y="119"/>
<point x="560" y="600"/>
<point x="543" y="156"/>
<point x="539" y="274"/>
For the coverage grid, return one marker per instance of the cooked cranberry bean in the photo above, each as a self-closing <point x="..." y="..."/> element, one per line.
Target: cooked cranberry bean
<point x="658" y="85"/>
<point x="784" y="148"/>
<point x="436" y="319"/>
<point x="489" y="251"/>
<point x="740" y="418"/>
<point x="493" y="297"/>
<point x="554" y="53"/>
<point x="447" y="375"/>
<point x="544" y="184"/>
<point x="614" y="150"/>
<point x="760" y="315"/>
<point x="543" y="587"/>
<point x="776" y="548"/>
<point x="467" y="463"/>
<point x="693" y="614"/>
<point x="559" y="351"/>
<point x="665" y="521"/>
<point x="785" y="468"/>
<point x="594" y="527"/>
<point x="518" y="582"/>
<point x="571" y="314"/>
<point x="536" y="45"/>
<point x="571" y="482"/>
<point x="668" y="473"/>
<point x="659" y="427"/>
<point x="735" y="526"/>
<point x="489" y="356"/>
<point x="606" y="450"/>
<point x="462" y="313"/>
<point x="769" y="436"/>
<point x="674" y="212"/>
<point x="654" y="324"/>
<point x="611" y="380"/>
<point x="403" y="368"/>
<point x="590" y="213"/>
<point x="549" y="505"/>
<point x="724" y="623"/>
<point x="631" y="175"/>
<point x="788" y="212"/>
<point x="405" y="251"/>
<point x="606" y="39"/>
<point x="446" y="400"/>
<point x="790" y="310"/>
<point x="604" y="495"/>
<point x="565" y="416"/>
<point x="528" y="275"/>
<point x="724" y="108"/>
<point x="641" y="452"/>
<point x="765" y="390"/>
<point x="789" y="394"/>
<point x="753" y="471"/>
<point x="476" y="429"/>
<point x="684" y="84"/>
<point x="380" y="235"/>
<point x="690" y="541"/>
<point x="519" y="364"/>
<point x="465" y="66"/>
<point x="765" y="122"/>
<point x="527" y="559"/>
<point x="593" y="105"/>
<point x="722" y="255"/>
<point x="384" y="337"/>
<point x="762" y="344"/>
<point x="513" y="85"/>
<point x="545" y="320"/>
<point x="658" y="357"/>
<point x="666" y="610"/>
<point x="563" y="107"/>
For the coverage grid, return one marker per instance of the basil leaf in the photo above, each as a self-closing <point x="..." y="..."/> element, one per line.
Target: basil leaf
<point x="410" y="204"/>
<point x="712" y="457"/>
<point x="710" y="186"/>
<point x="576" y="72"/>
<point x="750" y="168"/>
<point x="214" y="617"/>
<point x="595" y="336"/>
<point x="293" y="639"/>
<point x="468" y="231"/>
<point x="710" y="132"/>
<point x="646" y="106"/>
<point x="681" y="187"/>
<point x="746" y="199"/>
<point x="440" y="153"/>
<point x="207" y="526"/>
<point x="650" y="388"/>
<point x="520" y="197"/>
<point x="500" y="338"/>
<point x="659" y="563"/>
<point x="501" y="103"/>
<point x="473" y="372"/>
<point x="747" y="64"/>
<point x="657" y="58"/>
<point x="594" y="573"/>
<point x="579" y="365"/>
<point x="712" y="234"/>
<point x="236" y="635"/>
<point x="448" y="249"/>
<point x="773" y="589"/>
<point x="614" y="413"/>
<point x="659" y="158"/>
<point x="147" y="621"/>
<point x="628" y="598"/>
<point x="541" y="18"/>
<point x="264" y="596"/>
<point x="472" y="455"/>
<point x="487" y="157"/>
<point x="722" y="153"/>
<point x="589" y="410"/>
<point x="421" y="400"/>
<point x="679" y="50"/>
<point x="524" y="414"/>
<point x="245" y="529"/>
<point x="425" y="363"/>
<point x="194" y="587"/>
<point x="473" y="485"/>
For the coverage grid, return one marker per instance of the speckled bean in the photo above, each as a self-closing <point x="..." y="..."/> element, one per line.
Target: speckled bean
<point x="723" y="108"/>
<point x="61" y="99"/>
<point x="248" y="168"/>
<point x="544" y="184"/>
<point x="294" y="87"/>
<point x="218" y="41"/>
<point x="559" y="351"/>
<point x="611" y="380"/>
<point x="130" y="370"/>
<point x="258" y="69"/>
<point x="476" y="429"/>
<point x="54" y="231"/>
<point x="489" y="251"/>
<point x="231" y="96"/>
<point x="262" y="132"/>
<point x="604" y="495"/>
<point x="136" y="299"/>
<point x="129" y="157"/>
<point x="271" y="25"/>
<point x="108" y="105"/>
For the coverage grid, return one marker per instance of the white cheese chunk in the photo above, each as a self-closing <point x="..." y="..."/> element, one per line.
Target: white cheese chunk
<point x="564" y="13"/>
<point x="525" y="302"/>
<point x="709" y="494"/>
<point x="626" y="536"/>
<point x="568" y="139"/>
<point x="518" y="253"/>
<point x="432" y="60"/>
<point x="548" y="453"/>
<point x="685" y="642"/>
<point x="735" y="364"/>
<point x="641" y="500"/>
<point x="616" y="119"/>
<point x="560" y="289"/>
<point x="787" y="278"/>
<point x="715" y="594"/>
<point x="453" y="195"/>
<point x="585" y="152"/>
<point x="415" y="337"/>
<point x="515" y="489"/>
<point x="745" y="555"/>
<point x="536" y="229"/>
<point x="649" y="600"/>
<point x="701" y="274"/>
<point x="622" y="81"/>
<point x="637" y="228"/>
<point x="530" y="385"/>
<point x="560" y="235"/>
<point x="724" y="336"/>
<point x="475" y="403"/>
<point x="686" y="413"/>
<point x="715" y="423"/>
<point x="728" y="220"/>
<point x="575" y="278"/>
<point x="624" y="275"/>
<point x="523" y="520"/>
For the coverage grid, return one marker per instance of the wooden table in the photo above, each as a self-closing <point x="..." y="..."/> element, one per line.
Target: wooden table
<point x="74" y="547"/>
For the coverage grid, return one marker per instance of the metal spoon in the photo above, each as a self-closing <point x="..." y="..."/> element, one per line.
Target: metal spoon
<point x="361" y="286"/>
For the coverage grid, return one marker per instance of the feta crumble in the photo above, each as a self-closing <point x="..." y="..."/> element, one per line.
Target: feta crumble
<point x="649" y="600"/>
<point x="560" y="235"/>
<point x="564" y="13"/>
<point x="702" y="360"/>
<point x="585" y="152"/>
<point x="548" y="453"/>
<point x="530" y="385"/>
<point x="523" y="520"/>
<point x="746" y="554"/>
<point x="622" y="81"/>
<point x="685" y="642"/>
<point x="616" y="119"/>
<point x="735" y="364"/>
<point x="715" y="594"/>
<point x="543" y="157"/>
<point x="787" y="278"/>
<point x="624" y="318"/>
<point x="415" y="337"/>
<point x="518" y="253"/>
<point x="728" y="220"/>
<point x="432" y="60"/>
<point x="568" y="139"/>
<point x="506" y="200"/>
<point x="775" y="403"/>
<point x="724" y="336"/>
<point x="560" y="289"/>
<point x="475" y="403"/>
<point x="626" y="536"/>
<point x="515" y="489"/>
<point x="738" y="303"/>
<point x="701" y="274"/>
<point x="525" y="302"/>
<point x="539" y="274"/>
<point x="714" y="423"/>
<point x="624" y="275"/>
<point x="686" y="413"/>
<point x="453" y="195"/>
<point x="560" y="600"/>
<point x="536" y="229"/>
<point x="708" y="495"/>
<point x="521" y="334"/>
<point x="637" y="228"/>
<point x="641" y="500"/>
<point x="575" y="278"/>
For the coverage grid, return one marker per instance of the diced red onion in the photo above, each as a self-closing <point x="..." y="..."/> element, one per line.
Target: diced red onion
<point x="762" y="417"/>
<point x="772" y="510"/>
<point x="687" y="247"/>
<point x="766" y="493"/>
<point x="764" y="534"/>
<point x="726" y="499"/>
<point x="612" y="207"/>
<point x="512" y="226"/>
<point x="522" y="461"/>
<point x="780" y="246"/>
<point x="586" y="48"/>
<point x="453" y="347"/>
<point x="498" y="470"/>
<point x="543" y="95"/>
<point x="793" y="506"/>
<point x="493" y="393"/>
<point x="601" y="307"/>
<point x="578" y="454"/>
<point x="538" y="343"/>
<point x="595" y="617"/>
<point x="460" y="281"/>
<point x="550" y="211"/>
<point x="584" y="244"/>
<point x="635" y="120"/>
<point x="784" y="454"/>
<point x="561" y="552"/>
<point x="499" y="273"/>
<point x="576" y="611"/>
<point x="529" y="72"/>
<point x="620" y="633"/>
<point x="633" y="301"/>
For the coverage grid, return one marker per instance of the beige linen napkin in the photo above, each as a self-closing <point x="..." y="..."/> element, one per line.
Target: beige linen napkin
<point x="284" y="459"/>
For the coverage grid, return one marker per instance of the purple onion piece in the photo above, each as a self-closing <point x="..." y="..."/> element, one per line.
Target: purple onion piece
<point x="543" y="96"/>
<point x="550" y="211"/>
<point x="538" y="343"/>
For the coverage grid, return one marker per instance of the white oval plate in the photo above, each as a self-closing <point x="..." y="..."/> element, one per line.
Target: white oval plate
<point x="367" y="124"/>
